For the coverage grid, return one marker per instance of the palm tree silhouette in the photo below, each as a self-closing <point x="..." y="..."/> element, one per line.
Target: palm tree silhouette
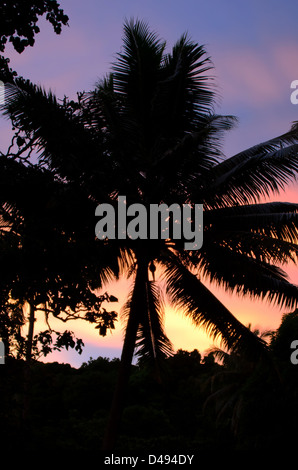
<point x="149" y="131"/>
<point x="228" y="384"/>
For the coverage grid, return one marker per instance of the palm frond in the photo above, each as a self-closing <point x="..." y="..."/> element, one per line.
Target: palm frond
<point x="182" y="166"/>
<point x="220" y="354"/>
<point x="190" y="295"/>
<point x="185" y="93"/>
<point x="276" y="219"/>
<point x="246" y="275"/>
<point x="265" y="232"/>
<point x="255" y="173"/>
<point x="135" y="71"/>
<point x="59" y="137"/>
<point x="152" y="343"/>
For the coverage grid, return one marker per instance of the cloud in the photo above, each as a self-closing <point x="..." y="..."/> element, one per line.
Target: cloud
<point x="286" y="59"/>
<point x="257" y="78"/>
<point x="65" y="64"/>
<point x="246" y="78"/>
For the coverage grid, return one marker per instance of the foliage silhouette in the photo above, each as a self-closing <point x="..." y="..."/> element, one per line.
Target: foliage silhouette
<point x="19" y="26"/>
<point x="228" y="385"/>
<point x="70" y="406"/>
<point x="44" y="264"/>
<point x="282" y="338"/>
<point x="19" y="21"/>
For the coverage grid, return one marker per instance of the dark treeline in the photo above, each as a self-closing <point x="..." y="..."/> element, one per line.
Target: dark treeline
<point x="219" y="401"/>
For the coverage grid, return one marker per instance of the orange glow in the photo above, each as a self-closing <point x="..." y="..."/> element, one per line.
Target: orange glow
<point x="181" y="331"/>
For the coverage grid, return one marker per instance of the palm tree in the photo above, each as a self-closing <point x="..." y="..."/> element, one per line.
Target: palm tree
<point x="149" y="131"/>
<point x="228" y="385"/>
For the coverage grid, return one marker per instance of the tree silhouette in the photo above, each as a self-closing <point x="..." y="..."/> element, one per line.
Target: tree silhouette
<point x="19" y="26"/>
<point x="283" y="340"/>
<point x="19" y="21"/>
<point x="228" y="385"/>
<point x="149" y="131"/>
<point x="44" y="264"/>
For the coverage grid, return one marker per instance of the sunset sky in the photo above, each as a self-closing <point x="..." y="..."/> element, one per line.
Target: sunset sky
<point x="254" y="48"/>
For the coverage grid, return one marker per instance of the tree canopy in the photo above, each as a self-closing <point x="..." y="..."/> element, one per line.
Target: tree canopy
<point x="19" y="21"/>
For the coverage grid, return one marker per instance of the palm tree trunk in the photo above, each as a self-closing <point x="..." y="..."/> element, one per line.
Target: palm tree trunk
<point x="30" y="332"/>
<point x="118" y="401"/>
<point x="27" y="370"/>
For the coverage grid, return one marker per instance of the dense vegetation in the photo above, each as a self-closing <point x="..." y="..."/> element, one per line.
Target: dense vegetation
<point x="201" y="404"/>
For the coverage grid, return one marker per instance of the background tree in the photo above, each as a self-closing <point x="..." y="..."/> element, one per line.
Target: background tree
<point x="19" y="21"/>
<point x="19" y="26"/>
<point x="44" y="264"/>
<point x="283" y="337"/>
<point x="229" y="384"/>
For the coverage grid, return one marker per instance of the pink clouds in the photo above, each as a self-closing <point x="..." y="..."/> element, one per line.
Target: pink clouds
<point x="246" y="78"/>
<point x="65" y="64"/>
<point x="286" y="58"/>
<point x="257" y="78"/>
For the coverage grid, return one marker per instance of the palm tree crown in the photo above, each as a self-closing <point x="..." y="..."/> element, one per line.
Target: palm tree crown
<point x="162" y="143"/>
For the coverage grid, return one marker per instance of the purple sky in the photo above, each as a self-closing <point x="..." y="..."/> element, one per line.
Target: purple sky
<point x="253" y="45"/>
